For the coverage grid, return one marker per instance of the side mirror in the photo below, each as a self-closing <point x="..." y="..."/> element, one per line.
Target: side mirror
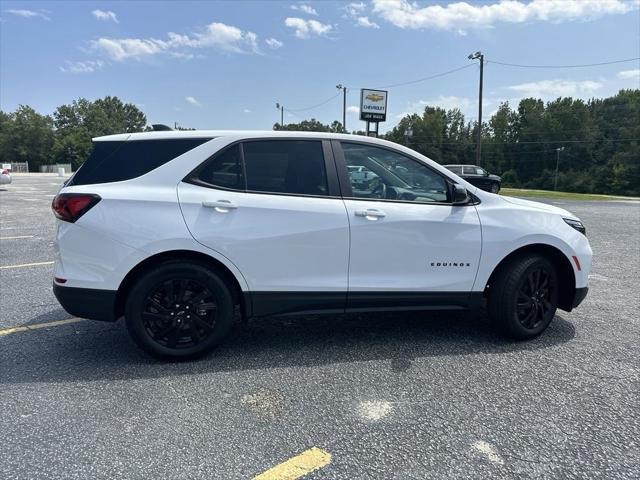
<point x="459" y="195"/>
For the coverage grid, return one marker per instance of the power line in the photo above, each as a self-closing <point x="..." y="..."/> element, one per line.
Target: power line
<point x="424" y="79"/>
<point x="563" y="66"/>
<point x="314" y="106"/>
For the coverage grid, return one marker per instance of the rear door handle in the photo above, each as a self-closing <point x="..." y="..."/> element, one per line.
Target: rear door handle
<point x="221" y="206"/>
<point x="370" y="214"/>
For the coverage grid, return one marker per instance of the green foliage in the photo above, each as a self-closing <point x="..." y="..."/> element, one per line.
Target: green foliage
<point x="77" y="123"/>
<point x="312" y="125"/>
<point x="26" y="136"/>
<point x="601" y="140"/>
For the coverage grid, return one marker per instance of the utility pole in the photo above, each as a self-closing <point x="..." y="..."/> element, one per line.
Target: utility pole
<point x="281" y="108"/>
<point x="479" y="56"/>
<point x="344" y="105"/>
<point x="555" y="183"/>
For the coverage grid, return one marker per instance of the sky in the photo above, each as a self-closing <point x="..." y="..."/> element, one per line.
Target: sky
<point x="225" y="64"/>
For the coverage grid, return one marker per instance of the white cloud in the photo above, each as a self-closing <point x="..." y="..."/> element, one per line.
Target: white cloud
<point x="307" y="28"/>
<point x="627" y="74"/>
<point x="355" y="8"/>
<point x="246" y="110"/>
<point x="88" y="66"/>
<point x="106" y="15"/>
<point x="447" y="102"/>
<point x="365" y="22"/>
<point x="353" y="109"/>
<point x="551" y="89"/>
<point x="273" y="43"/>
<point x="354" y="12"/>
<point x="216" y="35"/>
<point x="28" y="13"/>
<point x="192" y="101"/>
<point x="460" y="15"/>
<point x="304" y="8"/>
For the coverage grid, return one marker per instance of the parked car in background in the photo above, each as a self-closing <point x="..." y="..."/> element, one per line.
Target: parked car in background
<point x="477" y="176"/>
<point x="5" y="177"/>
<point x="174" y="230"/>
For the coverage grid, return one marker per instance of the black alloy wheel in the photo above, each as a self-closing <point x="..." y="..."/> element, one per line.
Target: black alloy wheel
<point x="523" y="296"/>
<point x="179" y="313"/>
<point x="179" y="309"/>
<point x="534" y="298"/>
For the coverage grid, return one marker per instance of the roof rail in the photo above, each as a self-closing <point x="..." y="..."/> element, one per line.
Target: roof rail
<point x="159" y="127"/>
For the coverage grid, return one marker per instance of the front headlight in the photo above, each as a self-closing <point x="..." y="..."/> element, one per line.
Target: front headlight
<point x="577" y="224"/>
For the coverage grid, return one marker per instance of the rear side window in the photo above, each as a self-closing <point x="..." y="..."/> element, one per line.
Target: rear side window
<point x="285" y="166"/>
<point x="112" y="161"/>
<point x="224" y="170"/>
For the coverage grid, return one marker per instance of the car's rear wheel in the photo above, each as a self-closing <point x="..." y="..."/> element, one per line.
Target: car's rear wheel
<point x="495" y="188"/>
<point x="523" y="296"/>
<point x="179" y="310"/>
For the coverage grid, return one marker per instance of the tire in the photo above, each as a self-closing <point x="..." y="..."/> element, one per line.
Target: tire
<point x="495" y="188"/>
<point x="179" y="310"/>
<point x="521" y="306"/>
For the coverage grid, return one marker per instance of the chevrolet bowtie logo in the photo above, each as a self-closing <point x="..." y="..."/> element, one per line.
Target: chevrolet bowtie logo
<point x="374" y="97"/>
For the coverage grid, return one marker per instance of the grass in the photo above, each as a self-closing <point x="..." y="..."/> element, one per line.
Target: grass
<point x="521" y="192"/>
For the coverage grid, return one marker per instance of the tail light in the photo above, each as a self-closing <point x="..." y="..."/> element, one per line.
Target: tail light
<point x="71" y="206"/>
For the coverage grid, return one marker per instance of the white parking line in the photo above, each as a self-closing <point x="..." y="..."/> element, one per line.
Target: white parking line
<point x="17" y="237"/>
<point x="37" y="264"/>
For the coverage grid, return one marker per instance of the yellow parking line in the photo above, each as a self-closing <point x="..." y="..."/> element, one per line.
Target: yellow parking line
<point x="17" y="237"/>
<point x="297" y="466"/>
<point x="37" y="326"/>
<point x="26" y="265"/>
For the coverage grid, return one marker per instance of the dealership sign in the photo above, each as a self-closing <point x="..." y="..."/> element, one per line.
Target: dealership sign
<point x="373" y="105"/>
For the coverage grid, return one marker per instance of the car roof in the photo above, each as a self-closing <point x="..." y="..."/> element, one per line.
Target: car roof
<point x="177" y="134"/>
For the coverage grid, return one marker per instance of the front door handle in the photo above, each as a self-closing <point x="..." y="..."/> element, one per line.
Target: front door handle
<point x="221" y="206"/>
<point x="370" y="214"/>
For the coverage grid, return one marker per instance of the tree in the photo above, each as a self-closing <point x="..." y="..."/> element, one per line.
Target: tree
<point x="77" y="123"/>
<point x="312" y="125"/>
<point x="26" y="136"/>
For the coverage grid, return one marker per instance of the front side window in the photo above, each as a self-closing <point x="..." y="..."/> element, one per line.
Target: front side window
<point x="378" y="173"/>
<point x="285" y="166"/>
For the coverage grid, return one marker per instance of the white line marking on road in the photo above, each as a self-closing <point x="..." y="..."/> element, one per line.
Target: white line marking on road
<point x="37" y="264"/>
<point x="489" y="450"/>
<point x="38" y="326"/>
<point x="374" y="409"/>
<point x="17" y="237"/>
<point x="595" y="276"/>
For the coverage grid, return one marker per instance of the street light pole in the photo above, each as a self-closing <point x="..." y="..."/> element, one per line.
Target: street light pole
<point x="281" y="108"/>
<point x="479" y="56"/>
<point x="344" y="105"/>
<point x="555" y="182"/>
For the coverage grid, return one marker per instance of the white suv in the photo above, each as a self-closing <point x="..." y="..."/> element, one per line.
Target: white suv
<point x="173" y="230"/>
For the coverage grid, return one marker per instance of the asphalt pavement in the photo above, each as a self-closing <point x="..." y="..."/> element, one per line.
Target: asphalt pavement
<point x="387" y="396"/>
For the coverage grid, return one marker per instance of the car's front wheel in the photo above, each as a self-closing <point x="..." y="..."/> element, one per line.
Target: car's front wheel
<point x="179" y="310"/>
<point x="523" y="297"/>
<point x="495" y="188"/>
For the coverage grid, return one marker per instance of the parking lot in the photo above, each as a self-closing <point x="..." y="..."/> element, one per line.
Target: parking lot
<point x="410" y="396"/>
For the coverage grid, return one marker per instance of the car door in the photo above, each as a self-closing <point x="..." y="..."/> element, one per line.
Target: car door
<point x="409" y="245"/>
<point x="273" y="208"/>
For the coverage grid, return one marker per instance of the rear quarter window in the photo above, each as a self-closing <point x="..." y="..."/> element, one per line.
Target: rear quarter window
<point x="116" y="161"/>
